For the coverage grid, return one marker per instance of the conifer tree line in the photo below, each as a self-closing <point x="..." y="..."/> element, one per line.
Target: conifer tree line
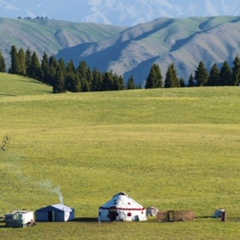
<point x="224" y="76"/>
<point x="67" y="77"/>
<point x="63" y="76"/>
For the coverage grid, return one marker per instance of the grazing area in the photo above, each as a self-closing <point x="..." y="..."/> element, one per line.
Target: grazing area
<point x="175" y="149"/>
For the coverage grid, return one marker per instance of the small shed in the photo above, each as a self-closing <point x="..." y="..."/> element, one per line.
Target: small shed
<point x="55" y="213"/>
<point x="19" y="218"/>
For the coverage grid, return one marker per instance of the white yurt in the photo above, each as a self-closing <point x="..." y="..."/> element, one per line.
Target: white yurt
<point x="121" y="208"/>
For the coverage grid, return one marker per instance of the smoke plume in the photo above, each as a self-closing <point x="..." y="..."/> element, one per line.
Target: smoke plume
<point x="47" y="184"/>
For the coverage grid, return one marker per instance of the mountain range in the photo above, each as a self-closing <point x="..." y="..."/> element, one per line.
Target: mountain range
<point x="129" y="50"/>
<point x="117" y="12"/>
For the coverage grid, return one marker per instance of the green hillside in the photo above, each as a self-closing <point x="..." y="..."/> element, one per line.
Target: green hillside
<point x="14" y="85"/>
<point x="176" y="149"/>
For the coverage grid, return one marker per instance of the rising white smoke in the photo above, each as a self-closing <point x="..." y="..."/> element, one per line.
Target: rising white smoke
<point x="50" y="187"/>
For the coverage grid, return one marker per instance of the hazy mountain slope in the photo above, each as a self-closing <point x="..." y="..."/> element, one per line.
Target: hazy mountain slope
<point x="117" y="12"/>
<point x="129" y="51"/>
<point x="184" y="42"/>
<point x="50" y="35"/>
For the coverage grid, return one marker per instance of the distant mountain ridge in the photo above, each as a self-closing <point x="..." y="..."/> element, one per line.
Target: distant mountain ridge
<point x="184" y="42"/>
<point x="133" y="50"/>
<point x="41" y="35"/>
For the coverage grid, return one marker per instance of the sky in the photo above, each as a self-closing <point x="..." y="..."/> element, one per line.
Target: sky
<point x="116" y="12"/>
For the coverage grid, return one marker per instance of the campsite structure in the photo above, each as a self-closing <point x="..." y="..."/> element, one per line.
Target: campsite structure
<point x="20" y="218"/>
<point x="121" y="208"/>
<point x="55" y="213"/>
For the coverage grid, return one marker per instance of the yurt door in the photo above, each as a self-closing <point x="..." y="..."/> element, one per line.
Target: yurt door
<point x="113" y="214"/>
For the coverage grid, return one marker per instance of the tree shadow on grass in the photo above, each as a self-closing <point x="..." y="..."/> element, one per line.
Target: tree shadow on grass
<point x="8" y="94"/>
<point x="2" y="225"/>
<point x="85" y="219"/>
<point x="228" y="219"/>
<point x="203" y="217"/>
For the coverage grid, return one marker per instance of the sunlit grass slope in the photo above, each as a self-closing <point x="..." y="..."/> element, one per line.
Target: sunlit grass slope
<point x="176" y="149"/>
<point x="15" y="85"/>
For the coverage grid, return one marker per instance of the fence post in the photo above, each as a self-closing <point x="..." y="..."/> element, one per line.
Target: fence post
<point x="223" y="217"/>
<point x="170" y="215"/>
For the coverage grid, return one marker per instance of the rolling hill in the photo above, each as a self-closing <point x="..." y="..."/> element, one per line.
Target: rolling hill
<point x="15" y="85"/>
<point x="176" y="149"/>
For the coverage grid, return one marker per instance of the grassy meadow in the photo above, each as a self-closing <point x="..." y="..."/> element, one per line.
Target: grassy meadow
<point x="176" y="149"/>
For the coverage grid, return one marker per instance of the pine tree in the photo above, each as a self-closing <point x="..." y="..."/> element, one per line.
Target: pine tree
<point x="154" y="79"/>
<point x="71" y="83"/>
<point x="83" y="68"/>
<point x="45" y="68"/>
<point x="115" y="85"/>
<point x="191" y="82"/>
<point x="14" y="68"/>
<point x="171" y="78"/>
<point x="84" y="84"/>
<point x="62" y="65"/>
<point x="22" y="62"/>
<point x="53" y="64"/>
<point x="182" y="82"/>
<point x="201" y="74"/>
<point x="97" y="80"/>
<point x="225" y="76"/>
<point x="107" y="81"/>
<point x="83" y="71"/>
<point x="59" y="83"/>
<point x="2" y="63"/>
<point x="131" y="83"/>
<point x="236" y="71"/>
<point x="28" y="56"/>
<point x="78" y="81"/>
<point x="121" y="83"/>
<point x="214" y="76"/>
<point x="89" y="76"/>
<point x="89" y="79"/>
<point x="237" y="82"/>
<point x="35" y="67"/>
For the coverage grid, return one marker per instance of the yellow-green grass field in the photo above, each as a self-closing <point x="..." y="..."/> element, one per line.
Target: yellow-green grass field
<point x="176" y="149"/>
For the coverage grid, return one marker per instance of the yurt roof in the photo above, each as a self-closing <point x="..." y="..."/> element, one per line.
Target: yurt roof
<point x="122" y="201"/>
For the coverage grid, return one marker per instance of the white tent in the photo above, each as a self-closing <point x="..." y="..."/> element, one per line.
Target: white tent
<point x="122" y="208"/>
<point x="20" y="218"/>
